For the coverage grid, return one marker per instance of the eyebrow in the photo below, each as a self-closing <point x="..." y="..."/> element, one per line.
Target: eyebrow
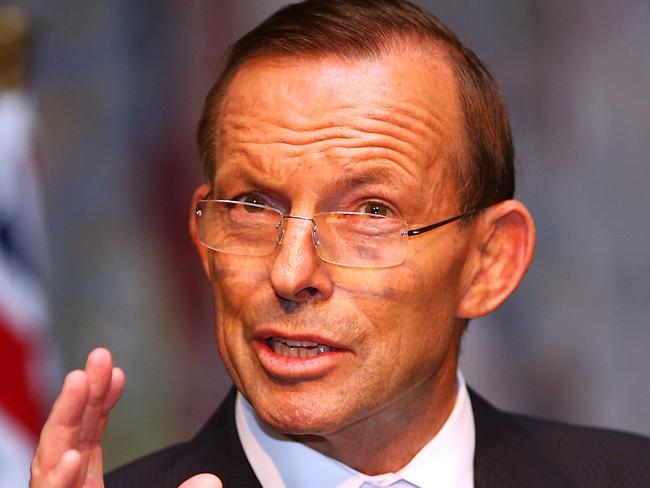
<point x="243" y="176"/>
<point x="372" y="176"/>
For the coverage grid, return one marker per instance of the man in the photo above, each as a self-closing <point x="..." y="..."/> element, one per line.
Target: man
<point x="357" y="213"/>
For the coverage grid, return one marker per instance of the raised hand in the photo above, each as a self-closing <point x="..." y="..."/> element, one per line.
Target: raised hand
<point x="69" y="454"/>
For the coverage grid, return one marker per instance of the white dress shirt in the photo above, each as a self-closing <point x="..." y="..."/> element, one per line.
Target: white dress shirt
<point x="446" y="461"/>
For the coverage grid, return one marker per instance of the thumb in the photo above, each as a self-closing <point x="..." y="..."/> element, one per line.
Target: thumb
<point x="203" y="480"/>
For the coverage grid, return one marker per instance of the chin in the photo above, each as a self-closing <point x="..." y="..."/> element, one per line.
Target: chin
<point x="303" y="425"/>
<point x="298" y="414"/>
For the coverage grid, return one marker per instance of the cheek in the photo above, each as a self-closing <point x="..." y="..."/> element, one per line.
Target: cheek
<point x="411" y="310"/>
<point x="236" y="286"/>
<point x="400" y="295"/>
<point x="234" y="283"/>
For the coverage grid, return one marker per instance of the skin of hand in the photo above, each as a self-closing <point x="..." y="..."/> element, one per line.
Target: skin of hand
<point x="69" y="454"/>
<point x="203" y="480"/>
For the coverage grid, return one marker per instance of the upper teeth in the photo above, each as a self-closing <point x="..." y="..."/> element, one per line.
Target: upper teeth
<point x="295" y="343"/>
<point x="286" y="347"/>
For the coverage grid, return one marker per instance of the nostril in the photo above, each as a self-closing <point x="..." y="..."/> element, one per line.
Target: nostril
<point x="311" y="290"/>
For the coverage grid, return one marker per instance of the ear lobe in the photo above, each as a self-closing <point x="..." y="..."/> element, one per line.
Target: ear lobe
<point x="505" y="242"/>
<point x="199" y="194"/>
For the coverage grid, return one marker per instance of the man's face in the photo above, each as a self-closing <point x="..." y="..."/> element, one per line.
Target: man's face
<point x="308" y="136"/>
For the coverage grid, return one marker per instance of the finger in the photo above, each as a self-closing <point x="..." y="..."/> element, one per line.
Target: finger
<point x="61" y="430"/>
<point x="64" y="473"/>
<point x="94" y="477"/>
<point x="204" y="480"/>
<point x="92" y="469"/>
<point x="99" y="370"/>
<point x="112" y="397"/>
<point x="118" y="380"/>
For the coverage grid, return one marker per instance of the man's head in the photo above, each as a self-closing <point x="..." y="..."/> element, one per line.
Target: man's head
<point x="334" y="351"/>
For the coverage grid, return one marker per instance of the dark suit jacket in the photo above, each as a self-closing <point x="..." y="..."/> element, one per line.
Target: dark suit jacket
<point x="511" y="451"/>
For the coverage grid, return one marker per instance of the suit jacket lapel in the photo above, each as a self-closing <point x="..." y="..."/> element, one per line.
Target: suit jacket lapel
<point x="216" y="449"/>
<point x="507" y="454"/>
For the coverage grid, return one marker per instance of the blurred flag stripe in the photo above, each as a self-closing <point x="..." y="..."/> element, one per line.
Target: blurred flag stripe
<point x="16" y="450"/>
<point x="24" y="338"/>
<point x="16" y="398"/>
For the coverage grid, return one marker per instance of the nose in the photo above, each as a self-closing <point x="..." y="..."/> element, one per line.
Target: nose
<point x="297" y="273"/>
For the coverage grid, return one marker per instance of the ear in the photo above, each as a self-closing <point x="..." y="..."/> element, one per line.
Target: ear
<point x="199" y="194"/>
<point x="503" y="243"/>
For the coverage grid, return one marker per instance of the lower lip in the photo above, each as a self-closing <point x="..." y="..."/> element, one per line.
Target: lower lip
<point x="295" y="368"/>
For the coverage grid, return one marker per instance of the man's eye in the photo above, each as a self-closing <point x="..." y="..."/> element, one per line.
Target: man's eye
<point x="254" y="199"/>
<point x="376" y="208"/>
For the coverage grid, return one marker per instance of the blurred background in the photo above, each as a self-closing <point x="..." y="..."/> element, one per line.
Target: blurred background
<point x="98" y="107"/>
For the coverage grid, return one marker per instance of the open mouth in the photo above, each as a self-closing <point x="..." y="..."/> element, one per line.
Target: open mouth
<point x="297" y="349"/>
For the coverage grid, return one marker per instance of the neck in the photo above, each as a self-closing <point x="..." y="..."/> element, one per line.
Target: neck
<point x="393" y="436"/>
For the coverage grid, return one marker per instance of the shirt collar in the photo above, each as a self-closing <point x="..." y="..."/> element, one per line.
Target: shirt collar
<point x="446" y="461"/>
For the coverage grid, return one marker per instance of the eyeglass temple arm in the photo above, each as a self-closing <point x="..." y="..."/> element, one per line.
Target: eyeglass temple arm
<point x="427" y="228"/>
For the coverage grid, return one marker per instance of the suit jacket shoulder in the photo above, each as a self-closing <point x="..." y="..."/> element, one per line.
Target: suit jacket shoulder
<point x="215" y="449"/>
<point x="520" y="451"/>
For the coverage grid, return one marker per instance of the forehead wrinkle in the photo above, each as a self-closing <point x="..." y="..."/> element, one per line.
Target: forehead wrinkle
<point x="405" y="120"/>
<point x="345" y="155"/>
<point x="379" y="165"/>
<point x="390" y="135"/>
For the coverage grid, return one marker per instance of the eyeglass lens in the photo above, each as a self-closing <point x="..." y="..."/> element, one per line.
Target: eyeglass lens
<point x="343" y="238"/>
